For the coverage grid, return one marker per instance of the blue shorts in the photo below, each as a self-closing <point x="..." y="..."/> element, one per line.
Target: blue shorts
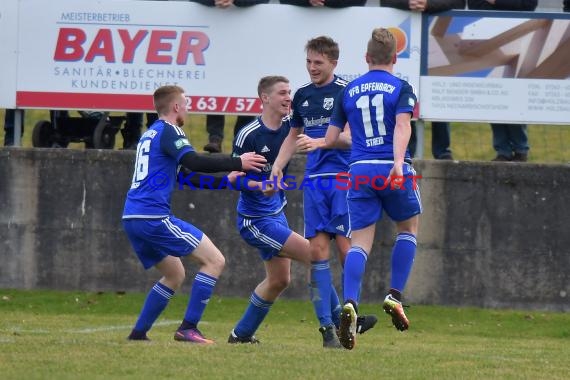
<point x="325" y="208"/>
<point x="267" y="233"/>
<point x="154" y="239"/>
<point x="365" y="203"/>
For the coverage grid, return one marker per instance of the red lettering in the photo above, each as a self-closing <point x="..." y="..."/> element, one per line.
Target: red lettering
<point x="360" y="180"/>
<point x="156" y="45"/>
<point x="192" y="43"/>
<point x="397" y="182"/>
<point x="414" y="181"/>
<point x="72" y="45"/>
<point x="102" y="46"/>
<point x="69" y="43"/>
<point x="131" y="44"/>
<point x="381" y="178"/>
<point x="342" y="178"/>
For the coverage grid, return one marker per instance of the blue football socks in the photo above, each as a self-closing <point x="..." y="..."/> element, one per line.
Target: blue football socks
<point x="335" y="307"/>
<point x="253" y="316"/>
<point x="202" y="289"/>
<point x="155" y="302"/>
<point x="403" y="255"/>
<point x="354" y="267"/>
<point x="321" y="281"/>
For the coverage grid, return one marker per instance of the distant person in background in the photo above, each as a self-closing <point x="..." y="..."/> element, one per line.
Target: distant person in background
<point x="9" y="124"/>
<point x="441" y="135"/>
<point x="566" y="6"/>
<point x="132" y="130"/>
<point x="215" y="128"/>
<point x="510" y="141"/>
<point x="215" y="123"/>
<point x="325" y="3"/>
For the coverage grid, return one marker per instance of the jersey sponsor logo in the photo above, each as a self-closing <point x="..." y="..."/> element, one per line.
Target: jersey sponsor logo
<point x="305" y="103"/>
<point x="181" y="143"/>
<point x="312" y="122"/>
<point x="328" y="103"/>
<point x="265" y="149"/>
<point x="150" y="134"/>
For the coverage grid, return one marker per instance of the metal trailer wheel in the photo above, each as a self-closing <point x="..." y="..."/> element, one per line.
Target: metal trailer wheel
<point x="104" y="136"/>
<point x="43" y="135"/>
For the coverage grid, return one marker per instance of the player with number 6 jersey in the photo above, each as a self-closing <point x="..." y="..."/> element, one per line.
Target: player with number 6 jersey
<point x="160" y="239"/>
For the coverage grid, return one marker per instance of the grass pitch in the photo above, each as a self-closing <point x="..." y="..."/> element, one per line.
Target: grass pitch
<point x="77" y="335"/>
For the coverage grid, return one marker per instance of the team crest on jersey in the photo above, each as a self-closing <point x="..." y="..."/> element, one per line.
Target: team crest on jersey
<point x="180" y="143"/>
<point x="328" y="103"/>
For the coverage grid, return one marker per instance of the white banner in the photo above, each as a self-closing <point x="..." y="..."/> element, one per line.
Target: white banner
<point x="509" y="67"/>
<point x="8" y="51"/>
<point x="112" y="55"/>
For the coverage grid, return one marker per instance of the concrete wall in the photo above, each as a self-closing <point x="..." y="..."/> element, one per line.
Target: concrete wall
<point x="492" y="234"/>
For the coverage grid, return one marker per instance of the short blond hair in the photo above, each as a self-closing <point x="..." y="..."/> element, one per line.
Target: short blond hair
<point x="381" y="47"/>
<point x="164" y="96"/>
<point x="266" y="83"/>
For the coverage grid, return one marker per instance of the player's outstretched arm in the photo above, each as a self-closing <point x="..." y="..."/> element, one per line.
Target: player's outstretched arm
<point x="195" y="180"/>
<point x="306" y="144"/>
<point x="332" y="136"/>
<point x="286" y="152"/>
<point x="211" y="163"/>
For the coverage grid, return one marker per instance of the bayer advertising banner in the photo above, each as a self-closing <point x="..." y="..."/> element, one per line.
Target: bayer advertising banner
<point x="112" y="55"/>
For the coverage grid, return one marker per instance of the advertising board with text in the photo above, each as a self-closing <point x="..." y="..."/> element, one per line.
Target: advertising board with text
<point x="112" y="55"/>
<point x="507" y="67"/>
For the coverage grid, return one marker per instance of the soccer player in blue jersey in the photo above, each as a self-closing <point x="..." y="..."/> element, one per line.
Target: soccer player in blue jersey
<point x="159" y="238"/>
<point x="261" y="221"/>
<point x="325" y="207"/>
<point x="378" y="106"/>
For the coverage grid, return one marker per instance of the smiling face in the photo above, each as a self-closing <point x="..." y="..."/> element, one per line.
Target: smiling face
<point x="278" y="98"/>
<point x="320" y="68"/>
<point x="275" y="95"/>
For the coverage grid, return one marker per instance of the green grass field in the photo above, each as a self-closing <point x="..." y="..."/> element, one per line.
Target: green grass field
<point x="76" y="335"/>
<point x="469" y="141"/>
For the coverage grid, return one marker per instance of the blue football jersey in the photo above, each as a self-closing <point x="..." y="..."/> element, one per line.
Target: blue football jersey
<point x="370" y="104"/>
<point x="312" y="109"/>
<point x="158" y="155"/>
<point x="256" y="137"/>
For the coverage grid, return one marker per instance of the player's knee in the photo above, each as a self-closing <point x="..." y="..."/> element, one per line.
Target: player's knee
<point x="216" y="262"/>
<point x="319" y="251"/>
<point x="176" y="279"/>
<point x="280" y="283"/>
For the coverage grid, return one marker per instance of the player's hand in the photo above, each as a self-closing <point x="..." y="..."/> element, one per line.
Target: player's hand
<point x="252" y="161"/>
<point x="305" y="144"/>
<point x="233" y="176"/>
<point x="417" y="5"/>
<point x="396" y="177"/>
<point x="223" y="3"/>
<point x="277" y="175"/>
<point x="268" y="189"/>
<point x="317" y="3"/>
